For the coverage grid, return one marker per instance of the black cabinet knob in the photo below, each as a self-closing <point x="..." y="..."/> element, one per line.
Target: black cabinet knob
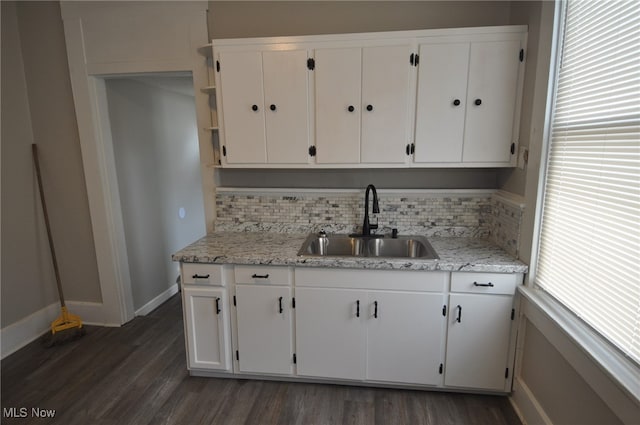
<point x="456" y="102"/>
<point x="254" y="108"/>
<point x="369" y="108"/>
<point x="272" y="107"/>
<point x="351" y="108"/>
<point x="478" y="102"/>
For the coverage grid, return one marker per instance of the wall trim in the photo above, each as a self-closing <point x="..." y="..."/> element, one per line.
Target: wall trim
<point x="316" y="192"/>
<point x="157" y="301"/>
<point x="91" y="56"/>
<point x="509" y="198"/>
<point x="91" y="313"/>
<point x="19" y="334"/>
<point x="526" y="405"/>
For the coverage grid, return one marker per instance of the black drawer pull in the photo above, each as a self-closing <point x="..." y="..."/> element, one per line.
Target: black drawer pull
<point x="260" y="276"/>
<point x="478" y="102"/>
<point x="375" y="309"/>
<point x="358" y="308"/>
<point x="351" y="108"/>
<point x="490" y="285"/>
<point x="456" y="102"/>
<point x="280" y="304"/>
<point x="218" y="305"/>
<point x="459" y="318"/>
<point x="197" y="276"/>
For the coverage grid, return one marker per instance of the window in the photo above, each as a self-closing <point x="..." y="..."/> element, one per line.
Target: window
<point x="589" y="248"/>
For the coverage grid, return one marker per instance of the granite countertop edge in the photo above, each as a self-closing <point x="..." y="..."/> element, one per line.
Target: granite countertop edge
<point x="280" y="249"/>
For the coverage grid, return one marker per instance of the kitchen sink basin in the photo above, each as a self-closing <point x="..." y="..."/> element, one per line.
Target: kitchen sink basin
<point x="321" y="245"/>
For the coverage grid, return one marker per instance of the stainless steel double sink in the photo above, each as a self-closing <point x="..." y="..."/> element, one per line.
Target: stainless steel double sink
<point x="342" y="245"/>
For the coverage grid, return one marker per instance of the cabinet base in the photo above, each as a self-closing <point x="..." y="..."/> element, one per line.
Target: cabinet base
<point x="371" y="384"/>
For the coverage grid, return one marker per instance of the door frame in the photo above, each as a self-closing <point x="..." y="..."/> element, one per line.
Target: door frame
<point x="163" y="22"/>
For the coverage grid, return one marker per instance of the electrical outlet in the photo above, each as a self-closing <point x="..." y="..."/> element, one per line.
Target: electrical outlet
<point x="523" y="157"/>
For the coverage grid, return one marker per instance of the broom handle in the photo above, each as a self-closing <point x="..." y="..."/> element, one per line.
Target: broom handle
<point x="34" y="150"/>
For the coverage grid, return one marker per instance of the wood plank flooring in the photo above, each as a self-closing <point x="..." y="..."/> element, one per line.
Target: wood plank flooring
<point x="137" y="374"/>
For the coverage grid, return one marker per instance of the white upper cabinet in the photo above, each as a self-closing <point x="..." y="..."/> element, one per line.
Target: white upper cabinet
<point x="286" y="106"/>
<point x="440" y="110"/>
<point x="362" y="103"/>
<point x="264" y="114"/>
<point x="242" y="95"/>
<point x="385" y="104"/>
<point x="468" y="100"/>
<point x="427" y="98"/>
<point x="492" y="101"/>
<point x="338" y="105"/>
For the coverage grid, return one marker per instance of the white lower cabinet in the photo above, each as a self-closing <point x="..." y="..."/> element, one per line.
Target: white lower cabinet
<point x="264" y="329"/>
<point x="479" y="340"/>
<point x="377" y="336"/>
<point x="373" y="335"/>
<point x="206" y="316"/>
<point x="440" y="329"/>
<point x="330" y="333"/>
<point x="405" y="334"/>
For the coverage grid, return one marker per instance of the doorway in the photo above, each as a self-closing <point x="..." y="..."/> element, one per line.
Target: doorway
<point x="154" y="135"/>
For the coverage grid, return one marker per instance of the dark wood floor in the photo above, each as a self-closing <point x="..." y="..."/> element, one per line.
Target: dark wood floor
<point x="136" y="374"/>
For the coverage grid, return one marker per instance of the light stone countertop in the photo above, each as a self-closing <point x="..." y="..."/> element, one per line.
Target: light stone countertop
<point x="456" y="254"/>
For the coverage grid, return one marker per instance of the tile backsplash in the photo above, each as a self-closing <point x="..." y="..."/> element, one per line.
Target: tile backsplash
<point x="473" y="213"/>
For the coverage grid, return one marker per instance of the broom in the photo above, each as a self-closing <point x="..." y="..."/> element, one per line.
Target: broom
<point x="67" y="326"/>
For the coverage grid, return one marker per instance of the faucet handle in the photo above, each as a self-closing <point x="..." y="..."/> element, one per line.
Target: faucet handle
<point x="374" y="225"/>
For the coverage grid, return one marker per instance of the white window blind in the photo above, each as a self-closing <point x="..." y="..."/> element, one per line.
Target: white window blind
<point x="589" y="252"/>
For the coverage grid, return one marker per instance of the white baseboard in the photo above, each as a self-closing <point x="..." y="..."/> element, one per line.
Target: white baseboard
<point x="157" y="301"/>
<point x="526" y="405"/>
<point x="24" y="331"/>
<point x="90" y="313"/>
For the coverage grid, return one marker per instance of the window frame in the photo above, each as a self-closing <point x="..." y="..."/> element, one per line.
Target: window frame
<point x="604" y="357"/>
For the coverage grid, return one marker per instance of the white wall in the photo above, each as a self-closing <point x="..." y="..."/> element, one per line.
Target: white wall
<point x="153" y="125"/>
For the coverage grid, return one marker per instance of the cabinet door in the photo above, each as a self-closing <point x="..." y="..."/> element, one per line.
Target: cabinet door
<point x="385" y="104"/>
<point x="286" y="106"/>
<point x="242" y="98"/>
<point x="206" y="317"/>
<point x="330" y="334"/>
<point x="264" y="329"/>
<point x="405" y="335"/>
<point x="493" y="82"/>
<point x="478" y="344"/>
<point x="440" y="110"/>
<point x="337" y="105"/>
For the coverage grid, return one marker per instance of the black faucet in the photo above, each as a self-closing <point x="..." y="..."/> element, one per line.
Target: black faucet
<point x="366" y="227"/>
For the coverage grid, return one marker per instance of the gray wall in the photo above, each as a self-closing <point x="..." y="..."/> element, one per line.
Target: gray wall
<point x="264" y="19"/>
<point x="560" y="390"/>
<point x="232" y="19"/>
<point x="155" y="141"/>
<point x="37" y="106"/>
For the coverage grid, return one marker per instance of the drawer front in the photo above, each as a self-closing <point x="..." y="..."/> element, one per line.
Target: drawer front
<point x="485" y="283"/>
<point x="401" y="280"/>
<point x="202" y="274"/>
<point x="267" y="275"/>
